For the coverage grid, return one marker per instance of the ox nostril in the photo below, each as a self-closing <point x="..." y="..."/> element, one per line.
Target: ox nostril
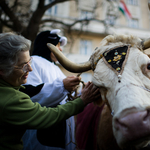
<point x="120" y="125"/>
<point x="147" y="116"/>
<point x="134" y="125"/>
<point x="129" y="121"/>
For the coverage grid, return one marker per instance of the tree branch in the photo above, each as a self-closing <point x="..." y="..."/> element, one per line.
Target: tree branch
<point x="16" y="23"/>
<point x="72" y="24"/>
<point x="56" y="2"/>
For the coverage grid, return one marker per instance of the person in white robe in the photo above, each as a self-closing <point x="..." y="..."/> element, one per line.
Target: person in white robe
<point x="47" y="85"/>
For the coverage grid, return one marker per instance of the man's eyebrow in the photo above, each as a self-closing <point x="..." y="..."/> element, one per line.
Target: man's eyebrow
<point x="24" y="62"/>
<point x="21" y="64"/>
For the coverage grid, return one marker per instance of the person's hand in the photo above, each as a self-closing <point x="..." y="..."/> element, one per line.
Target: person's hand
<point x="71" y="82"/>
<point x="90" y="93"/>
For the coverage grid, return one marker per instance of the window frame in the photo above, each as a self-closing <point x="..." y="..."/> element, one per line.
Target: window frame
<point x="110" y="19"/>
<point x="53" y="9"/>
<point x="133" y="23"/>
<point x="133" y="2"/>
<point x="86" y="14"/>
<point x="85" y="47"/>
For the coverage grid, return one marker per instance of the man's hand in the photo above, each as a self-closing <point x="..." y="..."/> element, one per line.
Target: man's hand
<point x="90" y="93"/>
<point x="71" y="82"/>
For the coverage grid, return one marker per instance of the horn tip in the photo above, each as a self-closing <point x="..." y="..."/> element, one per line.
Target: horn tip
<point x="48" y="44"/>
<point x="149" y="5"/>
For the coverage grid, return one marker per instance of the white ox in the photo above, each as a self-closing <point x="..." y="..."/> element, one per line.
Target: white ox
<point x="127" y="90"/>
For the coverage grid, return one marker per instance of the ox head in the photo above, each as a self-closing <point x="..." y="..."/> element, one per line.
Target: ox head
<point x="122" y="71"/>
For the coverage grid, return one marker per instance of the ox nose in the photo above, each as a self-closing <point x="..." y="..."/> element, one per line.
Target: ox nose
<point x="134" y="126"/>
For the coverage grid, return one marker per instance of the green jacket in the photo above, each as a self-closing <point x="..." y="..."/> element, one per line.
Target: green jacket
<point x="18" y="113"/>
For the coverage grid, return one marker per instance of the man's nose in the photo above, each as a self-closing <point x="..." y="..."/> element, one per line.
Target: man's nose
<point x="29" y="67"/>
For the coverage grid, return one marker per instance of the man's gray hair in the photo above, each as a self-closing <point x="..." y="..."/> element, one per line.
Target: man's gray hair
<point x="10" y="46"/>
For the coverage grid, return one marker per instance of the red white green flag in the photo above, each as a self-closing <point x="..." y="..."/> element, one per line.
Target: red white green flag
<point x="123" y="8"/>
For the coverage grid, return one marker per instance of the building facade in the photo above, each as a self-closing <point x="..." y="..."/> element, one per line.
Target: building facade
<point x="104" y="18"/>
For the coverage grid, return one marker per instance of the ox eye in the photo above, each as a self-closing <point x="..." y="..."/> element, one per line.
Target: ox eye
<point x="148" y="66"/>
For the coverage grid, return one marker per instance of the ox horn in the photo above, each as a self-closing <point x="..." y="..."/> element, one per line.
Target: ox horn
<point x="66" y="63"/>
<point x="146" y="43"/>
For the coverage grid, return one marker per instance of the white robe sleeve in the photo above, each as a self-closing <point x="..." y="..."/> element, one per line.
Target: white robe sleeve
<point x="53" y="91"/>
<point x="51" y="94"/>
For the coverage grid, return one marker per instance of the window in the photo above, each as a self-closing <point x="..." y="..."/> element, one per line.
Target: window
<point x="85" y="47"/>
<point x="110" y="19"/>
<point x="52" y="10"/>
<point x="132" y="2"/>
<point x="86" y="14"/>
<point x="134" y="23"/>
<point x="112" y="0"/>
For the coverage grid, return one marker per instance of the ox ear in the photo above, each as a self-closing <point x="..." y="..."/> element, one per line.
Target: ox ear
<point x="102" y="99"/>
<point x="99" y="102"/>
<point x="146" y="43"/>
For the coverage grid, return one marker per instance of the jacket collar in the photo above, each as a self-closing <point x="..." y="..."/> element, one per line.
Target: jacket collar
<point x="3" y="83"/>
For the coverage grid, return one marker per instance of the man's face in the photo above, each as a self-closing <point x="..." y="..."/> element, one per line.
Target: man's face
<point x="18" y="76"/>
<point x="53" y="58"/>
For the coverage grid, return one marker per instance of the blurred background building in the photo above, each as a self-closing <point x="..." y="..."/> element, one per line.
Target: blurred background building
<point x="110" y="16"/>
<point x="87" y="22"/>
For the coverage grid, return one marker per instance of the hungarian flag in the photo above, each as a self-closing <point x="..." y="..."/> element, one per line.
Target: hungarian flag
<point x="123" y="8"/>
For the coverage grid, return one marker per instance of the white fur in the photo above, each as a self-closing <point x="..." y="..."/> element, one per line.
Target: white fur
<point x="55" y="31"/>
<point x="63" y="41"/>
